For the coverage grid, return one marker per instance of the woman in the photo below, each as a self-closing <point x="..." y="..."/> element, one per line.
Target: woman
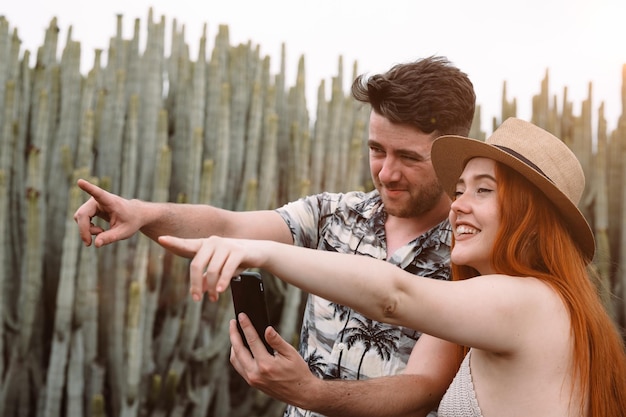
<point x="540" y="342"/>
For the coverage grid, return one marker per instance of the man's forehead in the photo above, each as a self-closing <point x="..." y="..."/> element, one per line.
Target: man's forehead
<point x="415" y="144"/>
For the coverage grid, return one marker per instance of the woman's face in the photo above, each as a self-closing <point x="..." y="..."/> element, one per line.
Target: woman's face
<point x="475" y="215"/>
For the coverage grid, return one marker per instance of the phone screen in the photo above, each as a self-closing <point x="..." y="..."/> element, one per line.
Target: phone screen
<point x="249" y="297"/>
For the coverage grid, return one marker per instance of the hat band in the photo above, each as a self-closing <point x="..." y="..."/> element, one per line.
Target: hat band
<point x="524" y="160"/>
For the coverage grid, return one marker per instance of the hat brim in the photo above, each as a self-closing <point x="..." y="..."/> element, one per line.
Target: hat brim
<point x="451" y="153"/>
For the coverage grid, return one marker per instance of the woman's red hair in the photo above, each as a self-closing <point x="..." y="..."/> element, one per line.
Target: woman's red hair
<point x="534" y="241"/>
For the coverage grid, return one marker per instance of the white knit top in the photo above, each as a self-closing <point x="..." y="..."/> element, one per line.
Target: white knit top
<point x="460" y="398"/>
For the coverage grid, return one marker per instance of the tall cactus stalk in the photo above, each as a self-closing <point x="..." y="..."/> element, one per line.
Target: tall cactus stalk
<point x="254" y="132"/>
<point x="541" y="104"/>
<point x="190" y="310"/>
<point x="114" y="301"/>
<point x="269" y="170"/>
<point x="621" y="270"/>
<point x="182" y="92"/>
<point x="5" y="61"/>
<point x="76" y="378"/>
<point x="4" y="194"/>
<point x="86" y="321"/>
<point x="216" y="76"/>
<point x="603" y="257"/>
<point x="222" y="150"/>
<point x="130" y="149"/>
<point x="508" y="108"/>
<point x="318" y="150"/>
<point x="134" y="330"/>
<point x="151" y="103"/>
<point x="62" y="337"/>
<point x="156" y="252"/>
<point x="239" y="82"/>
<point x="57" y="175"/>
<point x="33" y="256"/>
<point x="356" y="156"/>
<point x="333" y="138"/>
<point x="7" y="144"/>
<point x="17" y="179"/>
<point x="196" y="121"/>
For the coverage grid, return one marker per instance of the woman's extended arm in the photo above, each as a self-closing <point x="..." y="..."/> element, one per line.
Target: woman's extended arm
<point x="488" y="312"/>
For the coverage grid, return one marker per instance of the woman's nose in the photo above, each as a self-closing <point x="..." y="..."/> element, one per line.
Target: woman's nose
<point x="459" y="203"/>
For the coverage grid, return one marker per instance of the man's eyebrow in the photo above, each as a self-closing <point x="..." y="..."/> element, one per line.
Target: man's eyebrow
<point x="413" y="154"/>
<point x="401" y="152"/>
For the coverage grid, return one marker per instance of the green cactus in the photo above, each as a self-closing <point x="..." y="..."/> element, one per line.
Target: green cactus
<point x="62" y="336"/>
<point x="98" y="406"/>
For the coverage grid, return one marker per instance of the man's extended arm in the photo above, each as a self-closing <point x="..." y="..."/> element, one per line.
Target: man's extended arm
<point x="127" y="217"/>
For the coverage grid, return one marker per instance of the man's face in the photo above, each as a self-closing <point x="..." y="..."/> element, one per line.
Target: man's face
<point x="401" y="168"/>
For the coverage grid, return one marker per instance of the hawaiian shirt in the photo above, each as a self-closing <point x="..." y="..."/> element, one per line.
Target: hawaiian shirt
<point x="336" y="341"/>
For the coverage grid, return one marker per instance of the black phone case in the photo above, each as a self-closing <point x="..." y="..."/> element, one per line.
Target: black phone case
<point x="249" y="297"/>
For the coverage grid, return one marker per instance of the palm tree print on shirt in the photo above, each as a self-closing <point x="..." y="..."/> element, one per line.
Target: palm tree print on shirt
<point x="373" y="335"/>
<point x="316" y="364"/>
<point x="343" y="313"/>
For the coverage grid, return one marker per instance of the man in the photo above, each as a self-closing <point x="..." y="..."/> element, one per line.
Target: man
<point x="355" y="366"/>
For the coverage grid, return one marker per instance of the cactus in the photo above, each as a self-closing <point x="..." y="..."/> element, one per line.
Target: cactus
<point x="4" y="251"/>
<point x="134" y="331"/>
<point x="318" y="149"/>
<point x="151" y="88"/>
<point x="332" y="137"/>
<point x="62" y="336"/>
<point x="269" y="171"/>
<point x="240" y="60"/>
<point x="58" y="172"/>
<point x="222" y="150"/>
<point x="7" y="80"/>
<point x="156" y="253"/>
<point x="509" y="108"/>
<point x="254" y="133"/>
<point x="75" y="387"/>
<point x="98" y="406"/>
<point x="30" y="292"/>
<point x="7" y="144"/>
<point x="601" y="220"/>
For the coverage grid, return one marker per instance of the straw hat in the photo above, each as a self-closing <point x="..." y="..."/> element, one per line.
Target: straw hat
<point x="539" y="156"/>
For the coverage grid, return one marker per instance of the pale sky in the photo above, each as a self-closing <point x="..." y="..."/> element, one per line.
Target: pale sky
<point x="576" y="41"/>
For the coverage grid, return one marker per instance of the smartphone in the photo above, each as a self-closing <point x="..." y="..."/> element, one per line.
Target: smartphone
<point x="249" y="297"/>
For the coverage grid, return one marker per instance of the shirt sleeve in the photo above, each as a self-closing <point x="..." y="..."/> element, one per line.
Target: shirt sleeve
<point x="307" y="216"/>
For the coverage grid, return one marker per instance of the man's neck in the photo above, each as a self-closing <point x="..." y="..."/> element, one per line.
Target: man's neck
<point x="401" y="230"/>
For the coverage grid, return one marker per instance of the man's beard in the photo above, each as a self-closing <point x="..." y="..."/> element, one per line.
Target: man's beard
<point x="427" y="197"/>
